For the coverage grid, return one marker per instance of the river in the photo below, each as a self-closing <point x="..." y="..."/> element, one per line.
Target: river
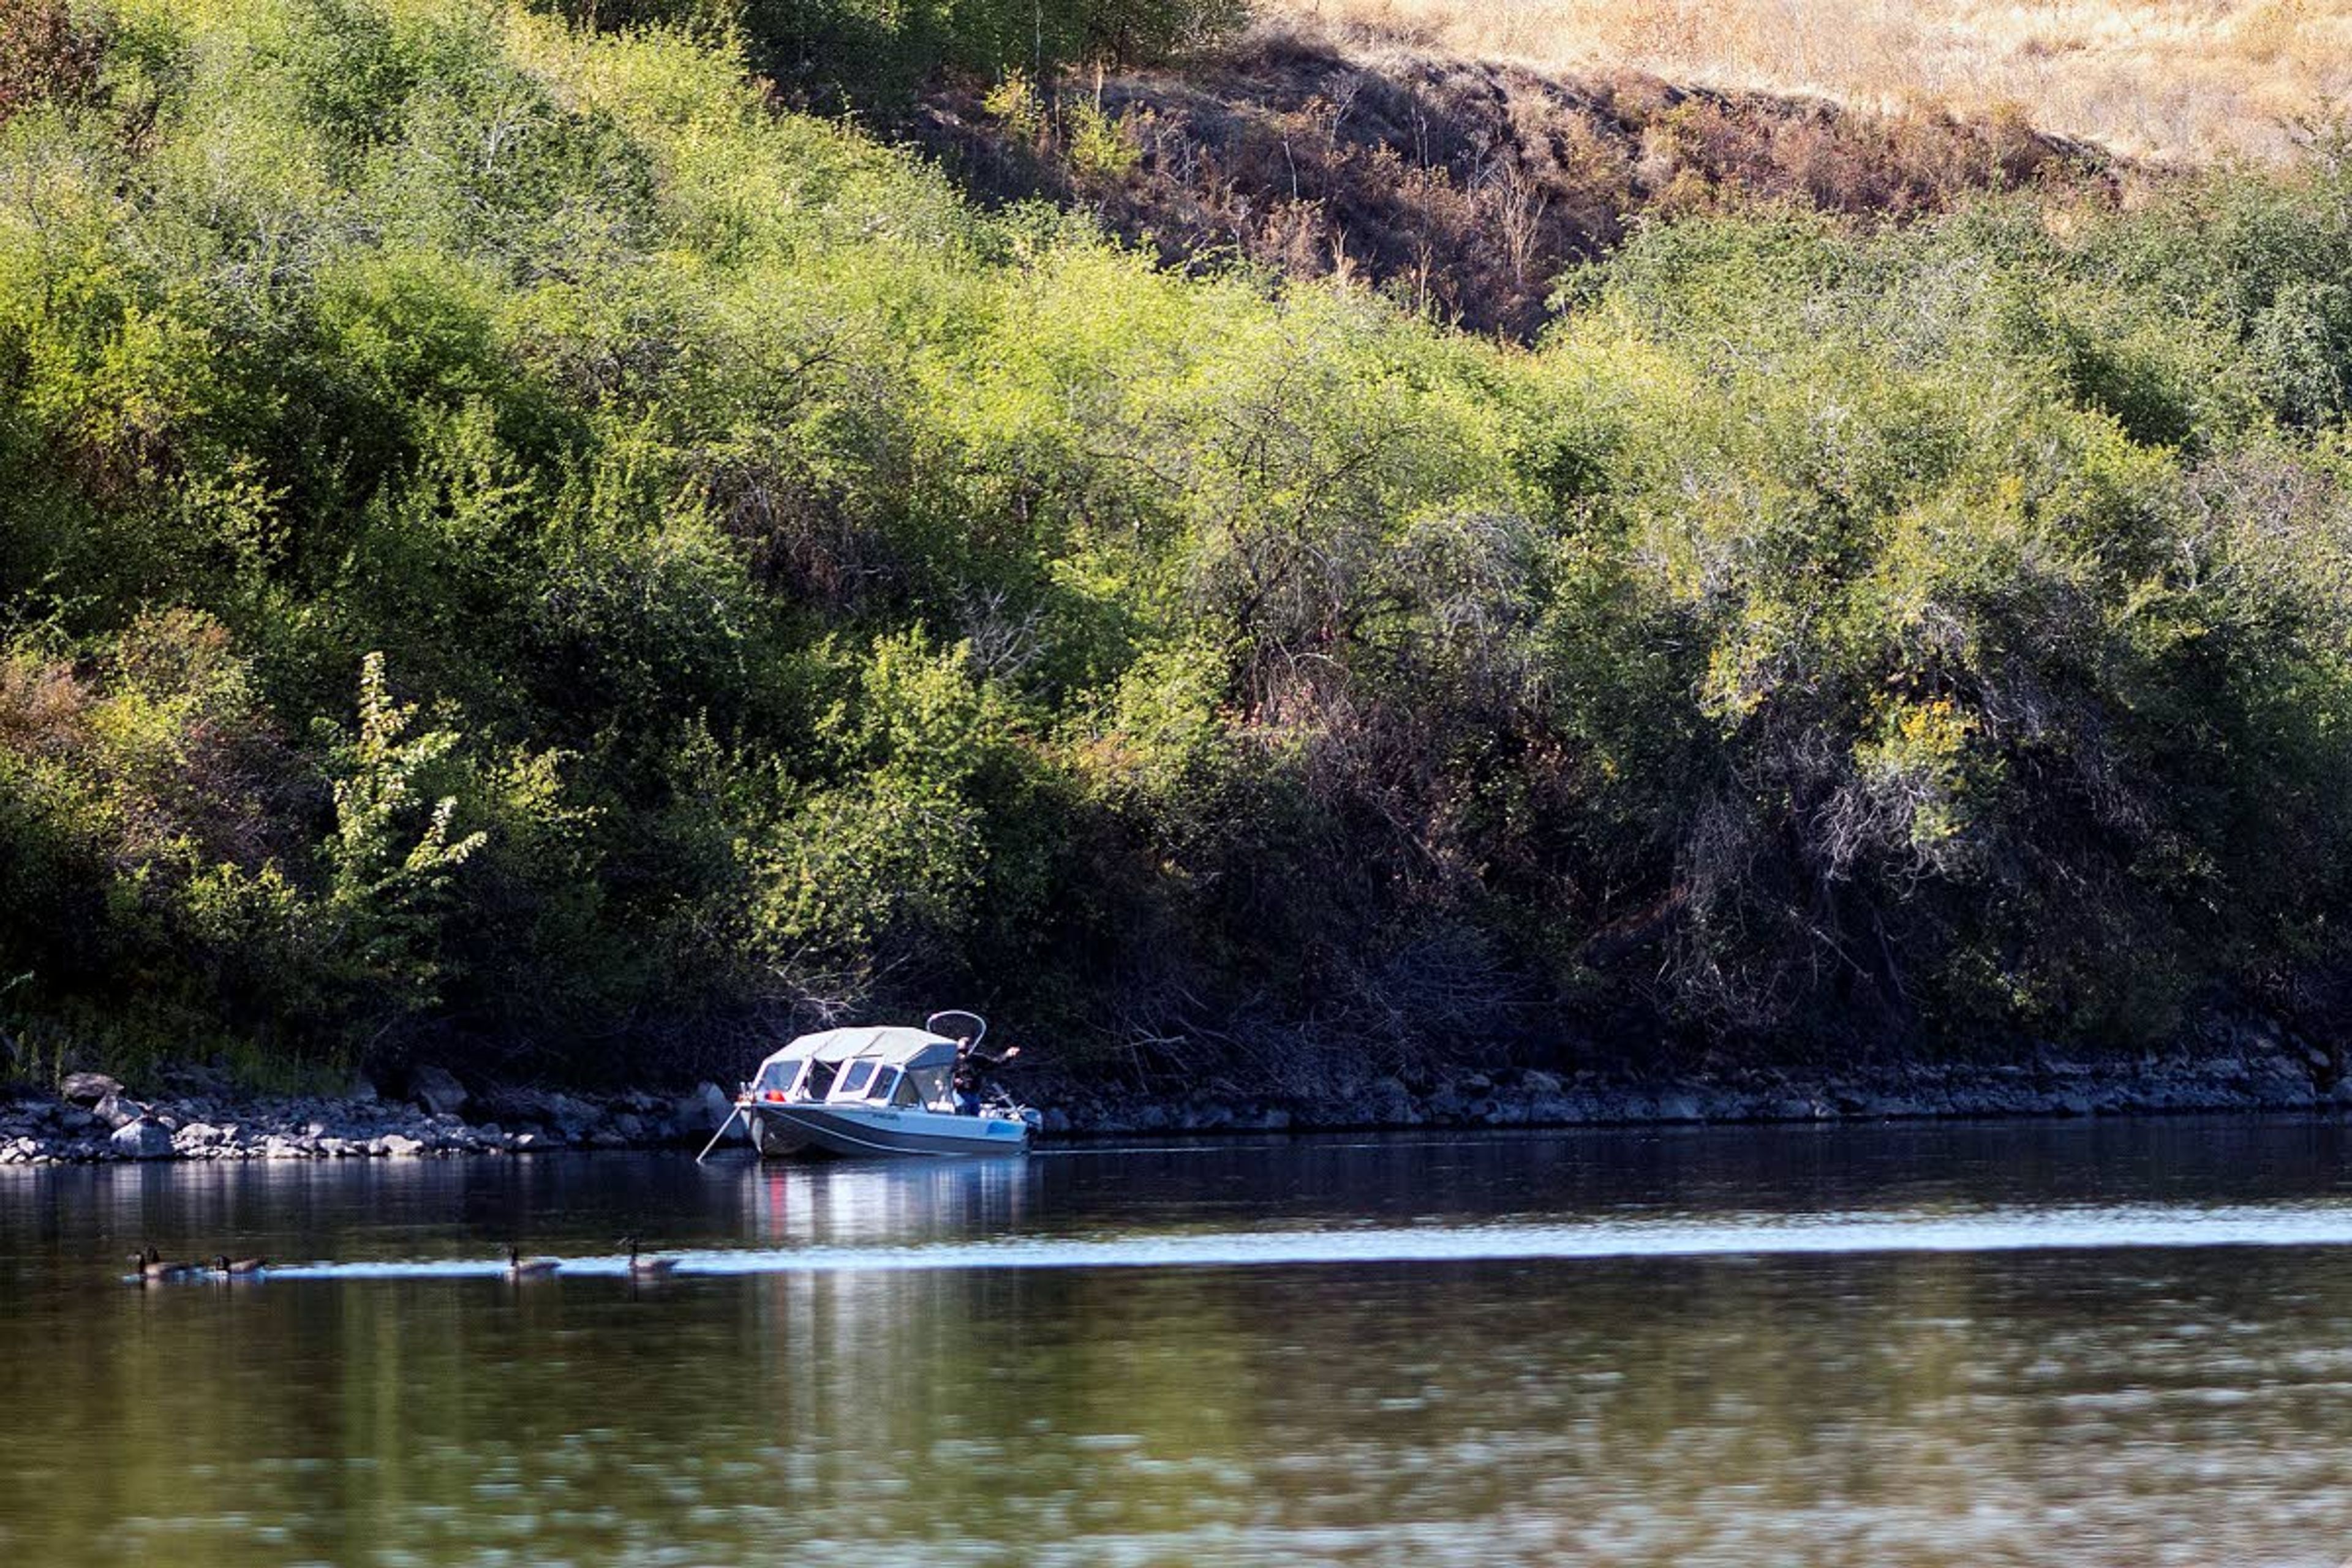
<point x="2114" y="1343"/>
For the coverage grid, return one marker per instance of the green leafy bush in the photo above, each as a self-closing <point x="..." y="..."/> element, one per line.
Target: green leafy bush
<point x="776" y="587"/>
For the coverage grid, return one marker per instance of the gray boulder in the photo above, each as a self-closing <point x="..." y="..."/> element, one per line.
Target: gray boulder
<point x="573" y="1115"/>
<point x="119" y="1110"/>
<point x="437" y="1090"/>
<point x="142" y="1140"/>
<point x="701" y="1111"/>
<point x="541" y="1108"/>
<point x="1386" y="1102"/>
<point x="1678" y="1105"/>
<point x="87" y="1088"/>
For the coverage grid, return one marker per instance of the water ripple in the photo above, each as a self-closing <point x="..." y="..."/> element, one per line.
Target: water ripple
<point x="1995" y="1230"/>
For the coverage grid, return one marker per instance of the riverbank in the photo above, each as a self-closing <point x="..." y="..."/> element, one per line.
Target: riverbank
<point x="2275" y="1077"/>
<point x="198" y="1114"/>
<point x="1897" y="595"/>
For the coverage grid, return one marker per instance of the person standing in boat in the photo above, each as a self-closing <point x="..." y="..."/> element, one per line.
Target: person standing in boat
<point x="972" y="1065"/>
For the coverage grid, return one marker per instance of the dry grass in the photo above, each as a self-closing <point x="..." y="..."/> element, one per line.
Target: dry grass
<point x="2172" y="79"/>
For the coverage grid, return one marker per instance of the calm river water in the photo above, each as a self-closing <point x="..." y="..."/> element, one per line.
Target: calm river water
<point x="2125" y="1345"/>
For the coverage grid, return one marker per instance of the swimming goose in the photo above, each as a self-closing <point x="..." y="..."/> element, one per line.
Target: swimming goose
<point x="150" y="1267"/>
<point x="646" y="1268"/>
<point x="537" y="1269"/>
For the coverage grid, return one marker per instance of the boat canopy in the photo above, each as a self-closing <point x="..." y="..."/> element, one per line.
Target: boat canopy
<point x="891" y="1044"/>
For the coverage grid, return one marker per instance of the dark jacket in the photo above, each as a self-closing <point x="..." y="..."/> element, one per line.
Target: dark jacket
<point x="972" y="1066"/>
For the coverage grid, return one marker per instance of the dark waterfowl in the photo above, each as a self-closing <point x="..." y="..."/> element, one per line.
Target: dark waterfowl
<point x="224" y="1265"/>
<point x="536" y="1269"/>
<point x="149" y="1267"/>
<point x="647" y="1267"/>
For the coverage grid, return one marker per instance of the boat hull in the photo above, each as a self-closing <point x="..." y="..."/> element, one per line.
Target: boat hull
<point x="786" y="1129"/>
<point x="774" y="1138"/>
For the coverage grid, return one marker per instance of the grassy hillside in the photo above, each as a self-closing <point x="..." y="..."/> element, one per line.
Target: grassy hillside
<point x="512" y="550"/>
<point x="2175" y="80"/>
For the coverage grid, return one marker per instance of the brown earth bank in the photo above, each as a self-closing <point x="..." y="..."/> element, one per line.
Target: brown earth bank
<point x="1463" y="188"/>
<point x="198" y="1114"/>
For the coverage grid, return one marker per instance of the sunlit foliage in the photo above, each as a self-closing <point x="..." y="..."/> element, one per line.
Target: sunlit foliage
<point x="513" y="549"/>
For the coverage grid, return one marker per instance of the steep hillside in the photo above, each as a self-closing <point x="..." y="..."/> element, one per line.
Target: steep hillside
<point x="1462" y="189"/>
<point x="515" y="551"/>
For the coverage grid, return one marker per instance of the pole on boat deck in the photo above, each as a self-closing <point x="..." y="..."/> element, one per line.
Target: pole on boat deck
<point x="715" y="1137"/>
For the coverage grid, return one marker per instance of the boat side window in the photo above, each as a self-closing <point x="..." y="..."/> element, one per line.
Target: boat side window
<point x="886" y="1084"/>
<point x="907" y="1093"/>
<point x="930" y="1088"/>
<point x="852" y="1081"/>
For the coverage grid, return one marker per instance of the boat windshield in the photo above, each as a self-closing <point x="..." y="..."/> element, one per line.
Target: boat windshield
<point x="852" y="1081"/>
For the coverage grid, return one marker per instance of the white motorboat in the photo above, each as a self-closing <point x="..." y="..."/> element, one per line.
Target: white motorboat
<point x="880" y="1089"/>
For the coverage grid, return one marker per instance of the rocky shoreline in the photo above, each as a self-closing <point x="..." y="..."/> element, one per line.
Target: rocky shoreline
<point x="2054" y="1087"/>
<point x="196" y="1115"/>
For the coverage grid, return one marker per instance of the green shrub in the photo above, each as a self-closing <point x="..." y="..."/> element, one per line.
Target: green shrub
<point x="806" y="592"/>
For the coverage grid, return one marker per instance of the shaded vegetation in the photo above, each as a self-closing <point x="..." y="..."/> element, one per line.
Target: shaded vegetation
<point x="514" y="551"/>
<point x="840" y="55"/>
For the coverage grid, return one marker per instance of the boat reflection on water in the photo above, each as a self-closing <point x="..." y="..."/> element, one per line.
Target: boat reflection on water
<point x="898" y="1203"/>
<point x="852" y="1363"/>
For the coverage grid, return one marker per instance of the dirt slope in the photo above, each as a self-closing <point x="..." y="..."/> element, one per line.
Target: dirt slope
<point x="1464" y="187"/>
